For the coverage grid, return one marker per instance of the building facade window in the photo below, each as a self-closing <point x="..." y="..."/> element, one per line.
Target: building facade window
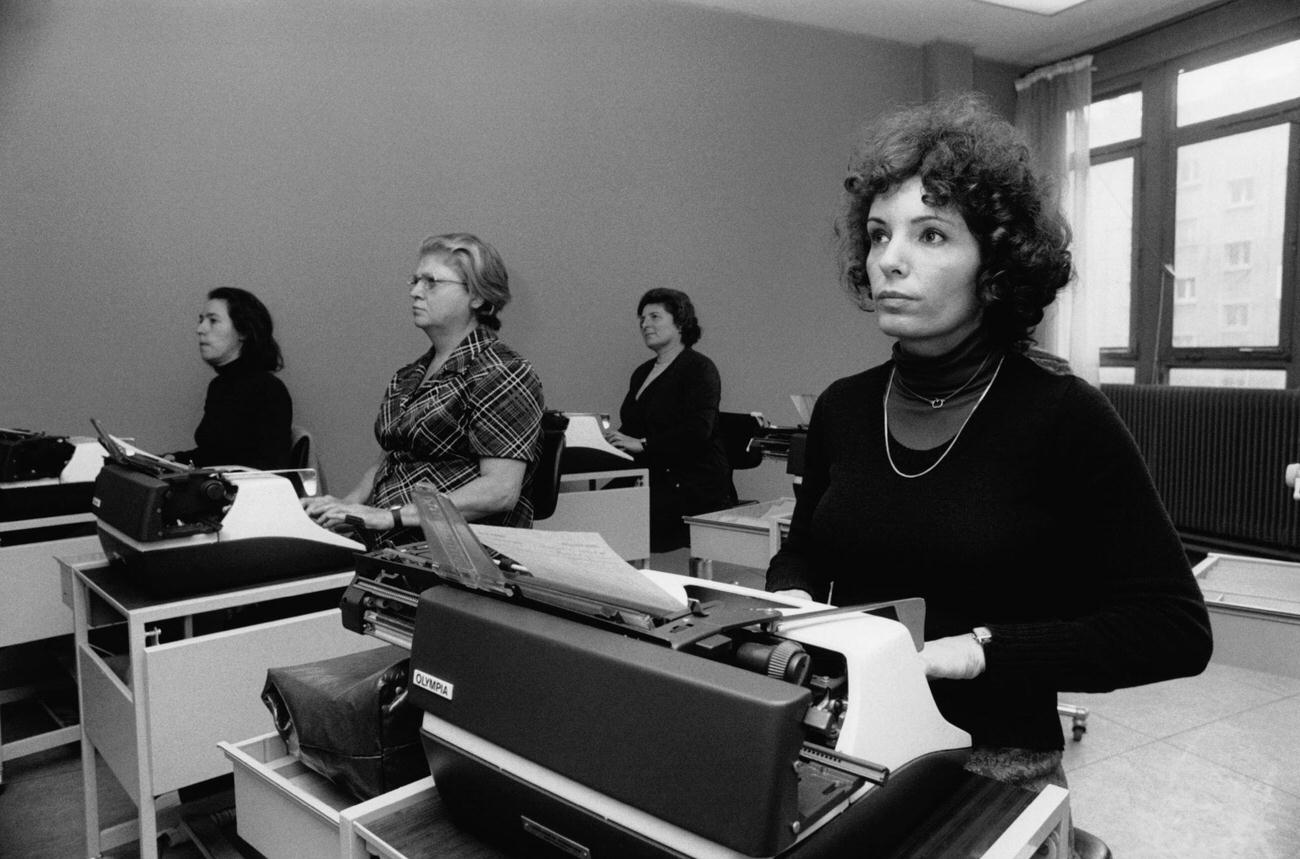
<point x="1198" y="157"/>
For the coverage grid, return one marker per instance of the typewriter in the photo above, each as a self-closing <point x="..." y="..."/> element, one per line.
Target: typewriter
<point x="648" y="714"/>
<point x="181" y="530"/>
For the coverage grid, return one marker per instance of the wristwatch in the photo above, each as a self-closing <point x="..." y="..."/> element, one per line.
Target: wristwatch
<point x="396" y="510"/>
<point x="982" y="635"/>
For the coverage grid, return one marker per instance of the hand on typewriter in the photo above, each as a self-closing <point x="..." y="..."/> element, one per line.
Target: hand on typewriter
<point x="957" y="657"/>
<point x="337" y="514"/>
<point x="625" y="442"/>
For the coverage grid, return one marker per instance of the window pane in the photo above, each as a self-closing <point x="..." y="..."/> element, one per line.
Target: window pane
<point x="1117" y="375"/>
<point x="1114" y="119"/>
<point x="1231" y="205"/>
<point x="1222" y="377"/>
<point x="1108" y="257"/>
<point x="1264" y="77"/>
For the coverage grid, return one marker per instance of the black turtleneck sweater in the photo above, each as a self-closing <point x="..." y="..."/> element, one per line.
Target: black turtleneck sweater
<point x="1041" y="523"/>
<point x="246" y="420"/>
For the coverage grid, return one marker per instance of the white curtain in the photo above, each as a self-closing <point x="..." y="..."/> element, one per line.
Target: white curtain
<point x="1052" y="112"/>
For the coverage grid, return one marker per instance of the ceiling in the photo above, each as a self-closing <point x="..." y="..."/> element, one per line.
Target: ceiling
<point x="994" y="32"/>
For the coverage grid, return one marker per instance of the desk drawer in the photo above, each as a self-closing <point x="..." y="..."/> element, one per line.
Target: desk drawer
<point x="203" y="690"/>
<point x="282" y="808"/>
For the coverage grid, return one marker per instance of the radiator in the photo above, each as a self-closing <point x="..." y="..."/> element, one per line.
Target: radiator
<point x="1218" y="457"/>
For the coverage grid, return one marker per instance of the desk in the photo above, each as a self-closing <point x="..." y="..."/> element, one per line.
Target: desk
<point x="155" y="710"/>
<point x="748" y="535"/>
<point x="32" y="607"/>
<point x="620" y="514"/>
<point x="284" y="810"/>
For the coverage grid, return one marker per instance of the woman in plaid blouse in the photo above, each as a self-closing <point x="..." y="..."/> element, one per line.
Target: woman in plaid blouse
<point x="464" y="416"/>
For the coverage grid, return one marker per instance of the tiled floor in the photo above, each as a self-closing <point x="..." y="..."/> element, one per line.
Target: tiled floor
<point x="1207" y="766"/>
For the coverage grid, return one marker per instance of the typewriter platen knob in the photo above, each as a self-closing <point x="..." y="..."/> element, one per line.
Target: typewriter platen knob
<point x="786" y="660"/>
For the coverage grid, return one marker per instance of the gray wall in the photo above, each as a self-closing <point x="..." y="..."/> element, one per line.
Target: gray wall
<point x="151" y="150"/>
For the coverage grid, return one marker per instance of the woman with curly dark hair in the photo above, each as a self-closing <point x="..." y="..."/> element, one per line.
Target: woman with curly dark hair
<point x="669" y="420"/>
<point x="1012" y="499"/>
<point x="247" y="414"/>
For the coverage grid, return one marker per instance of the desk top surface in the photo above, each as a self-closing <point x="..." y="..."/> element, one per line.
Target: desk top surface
<point x="115" y="585"/>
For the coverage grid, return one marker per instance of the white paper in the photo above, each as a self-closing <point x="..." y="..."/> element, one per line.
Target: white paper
<point x="581" y="560"/>
<point x="584" y="431"/>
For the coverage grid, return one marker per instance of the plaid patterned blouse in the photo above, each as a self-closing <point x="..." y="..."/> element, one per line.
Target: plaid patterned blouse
<point x="485" y="402"/>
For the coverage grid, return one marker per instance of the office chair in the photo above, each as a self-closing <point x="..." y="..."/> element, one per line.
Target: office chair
<point x="546" y="478"/>
<point x="1089" y="846"/>
<point x="738" y="429"/>
<point x="302" y="454"/>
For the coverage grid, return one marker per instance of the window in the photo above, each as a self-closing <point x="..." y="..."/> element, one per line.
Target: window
<point x="1236" y="316"/>
<point x="1241" y="192"/>
<point x="1237" y="254"/>
<point x="1196" y="161"/>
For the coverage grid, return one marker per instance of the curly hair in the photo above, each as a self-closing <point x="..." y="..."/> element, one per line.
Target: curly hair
<point x="482" y="268"/>
<point x="970" y="158"/>
<point x="679" y="306"/>
<point x="252" y="321"/>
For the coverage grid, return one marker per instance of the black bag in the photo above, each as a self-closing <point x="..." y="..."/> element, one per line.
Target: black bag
<point x="348" y="719"/>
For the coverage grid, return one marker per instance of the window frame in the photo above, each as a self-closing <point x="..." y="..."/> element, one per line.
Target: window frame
<point x="1151" y="352"/>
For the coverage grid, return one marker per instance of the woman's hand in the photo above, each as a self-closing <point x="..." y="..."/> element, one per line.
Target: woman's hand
<point x="334" y="513"/>
<point x="624" y="442"/>
<point x="957" y="657"/>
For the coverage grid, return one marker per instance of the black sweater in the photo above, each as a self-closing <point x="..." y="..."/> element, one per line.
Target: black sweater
<point x="1042" y="524"/>
<point x="246" y="420"/>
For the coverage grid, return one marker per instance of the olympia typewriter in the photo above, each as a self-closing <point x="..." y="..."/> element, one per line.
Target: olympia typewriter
<point x="650" y="715"/>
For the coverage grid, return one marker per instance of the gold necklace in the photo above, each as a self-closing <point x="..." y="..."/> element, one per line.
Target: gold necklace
<point x="885" y="405"/>
<point x="940" y="402"/>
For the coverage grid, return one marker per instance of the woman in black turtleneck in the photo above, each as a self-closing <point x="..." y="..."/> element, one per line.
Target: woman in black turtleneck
<point x="247" y="413"/>
<point x="1012" y="499"/>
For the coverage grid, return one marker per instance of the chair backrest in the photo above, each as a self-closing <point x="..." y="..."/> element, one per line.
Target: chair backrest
<point x="738" y="428"/>
<point x="303" y="454"/>
<point x="299" y="447"/>
<point x="546" y="477"/>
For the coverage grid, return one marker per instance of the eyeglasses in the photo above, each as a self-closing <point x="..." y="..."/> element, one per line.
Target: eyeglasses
<point x="428" y="282"/>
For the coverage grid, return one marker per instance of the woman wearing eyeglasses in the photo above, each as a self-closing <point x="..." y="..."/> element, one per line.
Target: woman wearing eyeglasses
<point x="464" y="416"/>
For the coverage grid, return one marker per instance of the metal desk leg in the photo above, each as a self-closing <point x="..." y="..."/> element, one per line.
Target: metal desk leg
<point x="137" y="637"/>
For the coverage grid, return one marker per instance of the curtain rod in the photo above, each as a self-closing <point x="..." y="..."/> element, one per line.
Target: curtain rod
<point x="1046" y="73"/>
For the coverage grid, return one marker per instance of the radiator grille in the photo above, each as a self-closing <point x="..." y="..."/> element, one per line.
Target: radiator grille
<point x="1218" y="457"/>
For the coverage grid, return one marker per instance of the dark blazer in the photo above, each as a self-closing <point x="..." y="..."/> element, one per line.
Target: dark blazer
<point x="677" y="415"/>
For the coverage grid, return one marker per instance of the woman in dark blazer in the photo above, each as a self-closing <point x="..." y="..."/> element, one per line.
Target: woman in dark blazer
<point x="670" y="420"/>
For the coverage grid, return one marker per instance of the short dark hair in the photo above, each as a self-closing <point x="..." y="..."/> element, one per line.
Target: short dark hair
<point x="679" y="305"/>
<point x="253" y="322"/>
<point x="481" y="267"/>
<point x="970" y="158"/>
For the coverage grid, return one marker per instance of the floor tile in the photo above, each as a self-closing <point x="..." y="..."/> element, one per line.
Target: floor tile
<point x="1162" y="801"/>
<point x="1263" y="743"/>
<point x="1103" y="739"/>
<point x="1163" y="709"/>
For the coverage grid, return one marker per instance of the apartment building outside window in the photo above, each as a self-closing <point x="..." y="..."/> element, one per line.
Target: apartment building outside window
<point x="1193" y="212"/>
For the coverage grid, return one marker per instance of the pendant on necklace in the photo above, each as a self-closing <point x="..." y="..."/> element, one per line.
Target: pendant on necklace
<point x="937" y="402"/>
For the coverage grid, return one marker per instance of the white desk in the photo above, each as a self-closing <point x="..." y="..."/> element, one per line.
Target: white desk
<point x="156" y="711"/>
<point x="621" y="515"/>
<point x="32" y="606"/>
<point x="748" y="535"/>
<point x="286" y="811"/>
